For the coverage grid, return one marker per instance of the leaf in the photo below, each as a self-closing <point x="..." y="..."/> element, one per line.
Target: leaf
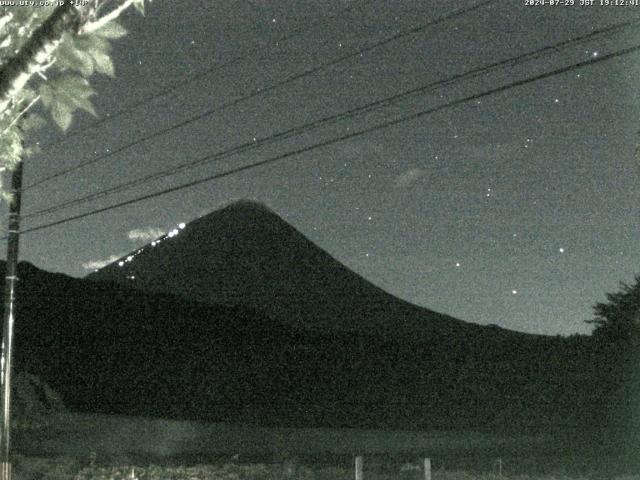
<point x="86" y="105"/>
<point x="46" y="94"/>
<point x="28" y="94"/>
<point x="84" y="62"/>
<point x="32" y="121"/>
<point x="92" y="42"/>
<point x="61" y="114"/>
<point x="32" y="150"/>
<point x="67" y="94"/>
<point x="112" y="30"/>
<point x="139" y="6"/>
<point x="71" y="55"/>
<point x="71" y="86"/>
<point x="103" y="63"/>
<point x="11" y="148"/>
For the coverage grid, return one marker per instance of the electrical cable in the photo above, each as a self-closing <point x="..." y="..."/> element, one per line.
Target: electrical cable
<point x="332" y="141"/>
<point x="262" y="90"/>
<point x="473" y="73"/>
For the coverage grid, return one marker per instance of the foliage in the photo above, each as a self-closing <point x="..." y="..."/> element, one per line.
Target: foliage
<point x="619" y="317"/>
<point x="615" y="358"/>
<point x="61" y="84"/>
<point x="34" y="402"/>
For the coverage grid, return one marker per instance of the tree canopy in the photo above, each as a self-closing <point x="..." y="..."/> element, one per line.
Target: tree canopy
<point x="620" y="315"/>
<point x="47" y="54"/>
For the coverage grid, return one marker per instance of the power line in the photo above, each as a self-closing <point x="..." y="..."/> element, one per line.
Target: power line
<point x="332" y="141"/>
<point x="473" y="73"/>
<point x="261" y="91"/>
<point x="176" y="86"/>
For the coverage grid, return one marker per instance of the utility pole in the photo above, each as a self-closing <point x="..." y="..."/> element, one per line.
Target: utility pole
<point x="11" y="277"/>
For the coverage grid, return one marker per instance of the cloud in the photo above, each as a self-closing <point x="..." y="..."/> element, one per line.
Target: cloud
<point x="146" y="234"/>
<point x="98" y="264"/>
<point x="407" y="178"/>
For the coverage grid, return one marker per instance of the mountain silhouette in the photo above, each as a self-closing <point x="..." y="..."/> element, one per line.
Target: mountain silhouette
<point x="110" y="348"/>
<point x="237" y="317"/>
<point x="245" y="254"/>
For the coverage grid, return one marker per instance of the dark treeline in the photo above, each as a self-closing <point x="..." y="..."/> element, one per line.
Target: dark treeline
<point x="112" y="349"/>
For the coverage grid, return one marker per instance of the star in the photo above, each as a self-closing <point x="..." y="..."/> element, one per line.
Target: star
<point x="514" y="292"/>
<point x="457" y="264"/>
<point x="561" y="250"/>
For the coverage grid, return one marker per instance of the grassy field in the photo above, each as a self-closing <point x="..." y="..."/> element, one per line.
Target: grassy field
<point x="65" y="468"/>
<point x="100" y="446"/>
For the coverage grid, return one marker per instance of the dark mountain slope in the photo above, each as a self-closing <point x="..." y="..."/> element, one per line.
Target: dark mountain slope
<point x="245" y="254"/>
<point x="112" y="349"/>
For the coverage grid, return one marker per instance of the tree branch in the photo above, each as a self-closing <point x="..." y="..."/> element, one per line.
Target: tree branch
<point x="21" y="114"/>
<point x="91" y="27"/>
<point x="15" y="74"/>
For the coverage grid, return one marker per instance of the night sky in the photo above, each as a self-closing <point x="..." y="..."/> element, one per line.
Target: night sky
<point x="518" y="208"/>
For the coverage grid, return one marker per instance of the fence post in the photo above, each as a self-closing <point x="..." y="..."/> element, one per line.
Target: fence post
<point x="288" y="469"/>
<point x="359" y="468"/>
<point x="427" y="469"/>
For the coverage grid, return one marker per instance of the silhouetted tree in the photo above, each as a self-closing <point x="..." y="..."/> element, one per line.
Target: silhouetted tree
<point x="619" y="317"/>
<point x="614" y="362"/>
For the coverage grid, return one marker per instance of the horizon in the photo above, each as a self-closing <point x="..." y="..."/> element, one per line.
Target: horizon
<point x="260" y="207"/>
